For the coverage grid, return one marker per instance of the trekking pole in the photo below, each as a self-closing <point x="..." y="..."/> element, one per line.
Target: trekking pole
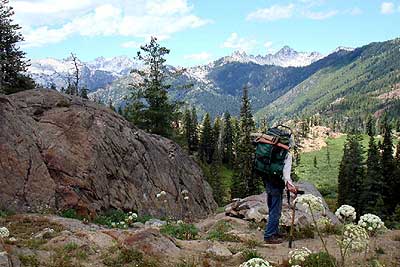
<point x="292" y="222"/>
<point x="299" y="192"/>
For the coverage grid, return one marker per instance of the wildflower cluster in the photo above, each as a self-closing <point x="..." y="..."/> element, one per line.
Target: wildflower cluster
<point x="355" y="238"/>
<point x="346" y="213"/>
<point x="161" y="195"/>
<point x="312" y="202"/>
<point x="129" y="219"/>
<point x="324" y="222"/>
<point x="4" y="232"/>
<point x="371" y="223"/>
<point x="298" y="256"/>
<point x="256" y="262"/>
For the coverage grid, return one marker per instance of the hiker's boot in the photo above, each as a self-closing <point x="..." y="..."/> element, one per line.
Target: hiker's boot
<point x="275" y="239"/>
<point x="280" y="235"/>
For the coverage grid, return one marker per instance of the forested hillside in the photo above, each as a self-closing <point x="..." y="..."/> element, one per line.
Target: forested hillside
<point x="359" y="86"/>
<point x="344" y="83"/>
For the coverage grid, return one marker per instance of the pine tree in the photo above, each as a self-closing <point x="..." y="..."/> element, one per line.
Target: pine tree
<point x="228" y="140"/>
<point x="244" y="164"/>
<point x="12" y="59"/>
<point x="370" y="128"/>
<point x="235" y="138"/>
<point x="84" y="93"/>
<point x="388" y="168"/>
<point x="372" y="189"/>
<point x="217" y="138"/>
<point x="149" y="102"/>
<point x="351" y="172"/>
<point x="194" y="138"/>
<point x="328" y="156"/>
<point x="206" y="140"/>
<point x="187" y="128"/>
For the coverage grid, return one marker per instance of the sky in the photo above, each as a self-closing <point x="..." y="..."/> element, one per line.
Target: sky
<point x="199" y="31"/>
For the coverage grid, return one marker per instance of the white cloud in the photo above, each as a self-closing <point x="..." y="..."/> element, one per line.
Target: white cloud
<point x="131" y="44"/>
<point x="319" y="15"/>
<point x="387" y="8"/>
<point x="203" y="56"/>
<point x="136" y="18"/>
<point x="303" y="9"/>
<point x="272" y="13"/>
<point x="237" y="43"/>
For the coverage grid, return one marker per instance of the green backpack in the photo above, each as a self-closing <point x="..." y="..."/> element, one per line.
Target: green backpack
<point x="271" y="151"/>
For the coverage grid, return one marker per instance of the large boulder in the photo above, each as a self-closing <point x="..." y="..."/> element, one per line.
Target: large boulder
<point x="59" y="152"/>
<point x="254" y="208"/>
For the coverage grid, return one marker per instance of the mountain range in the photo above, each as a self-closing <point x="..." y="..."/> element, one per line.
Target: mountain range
<point x="103" y="71"/>
<point x="94" y="74"/>
<point x="347" y="82"/>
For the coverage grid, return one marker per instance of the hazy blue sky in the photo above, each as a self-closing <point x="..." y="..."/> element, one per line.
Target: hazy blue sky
<point x="201" y="30"/>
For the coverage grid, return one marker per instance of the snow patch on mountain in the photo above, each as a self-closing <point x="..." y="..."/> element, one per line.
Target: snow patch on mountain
<point x="285" y="57"/>
<point x="93" y="74"/>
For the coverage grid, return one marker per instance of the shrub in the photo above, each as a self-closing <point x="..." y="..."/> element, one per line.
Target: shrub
<point x="22" y="228"/>
<point x="5" y="213"/>
<point x="181" y="230"/>
<point x="119" y="257"/>
<point x="71" y="214"/>
<point x="320" y="259"/>
<point x="249" y="254"/>
<point x="306" y="232"/>
<point x="29" y="260"/>
<point x="193" y="262"/>
<point x="220" y="232"/>
<point x="252" y="243"/>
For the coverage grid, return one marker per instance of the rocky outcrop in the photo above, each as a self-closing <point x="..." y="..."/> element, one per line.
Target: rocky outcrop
<point x="60" y="152"/>
<point x="254" y="208"/>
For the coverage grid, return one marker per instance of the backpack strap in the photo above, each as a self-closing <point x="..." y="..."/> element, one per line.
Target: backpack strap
<point x="268" y="139"/>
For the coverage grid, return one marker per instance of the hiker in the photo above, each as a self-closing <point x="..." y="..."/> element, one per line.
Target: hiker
<point x="273" y="162"/>
<point x="274" y="201"/>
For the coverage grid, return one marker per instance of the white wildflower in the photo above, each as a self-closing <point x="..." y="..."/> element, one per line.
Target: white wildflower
<point x="180" y="222"/>
<point x="185" y="192"/>
<point x="311" y="202"/>
<point x="355" y="238"/>
<point x="12" y="239"/>
<point x="324" y="222"/>
<point x="4" y="232"/>
<point x="371" y="223"/>
<point x="346" y="213"/>
<point x="256" y="262"/>
<point x="186" y="198"/>
<point x="299" y="255"/>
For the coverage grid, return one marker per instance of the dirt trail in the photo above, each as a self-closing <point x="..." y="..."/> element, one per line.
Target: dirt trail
<point x="100" y="243"/>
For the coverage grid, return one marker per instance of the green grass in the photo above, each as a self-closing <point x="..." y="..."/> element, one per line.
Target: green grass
<point x="183" y="231"/>
<point x="219" y="232"/>
<point x="325" y="175"/>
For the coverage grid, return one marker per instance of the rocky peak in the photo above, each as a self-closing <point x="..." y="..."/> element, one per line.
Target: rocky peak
<point x="286" y="51"/>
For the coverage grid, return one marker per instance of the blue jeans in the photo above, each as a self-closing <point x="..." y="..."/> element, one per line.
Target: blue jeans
<point x="274" y="201"/>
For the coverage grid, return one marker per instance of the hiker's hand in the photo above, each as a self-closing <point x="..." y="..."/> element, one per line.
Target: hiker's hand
<point x="291" y="187"/>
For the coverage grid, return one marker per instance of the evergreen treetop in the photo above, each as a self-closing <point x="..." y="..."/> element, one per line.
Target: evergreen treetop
<point x="149" y="101"/>
<point x="12" y="59"/>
